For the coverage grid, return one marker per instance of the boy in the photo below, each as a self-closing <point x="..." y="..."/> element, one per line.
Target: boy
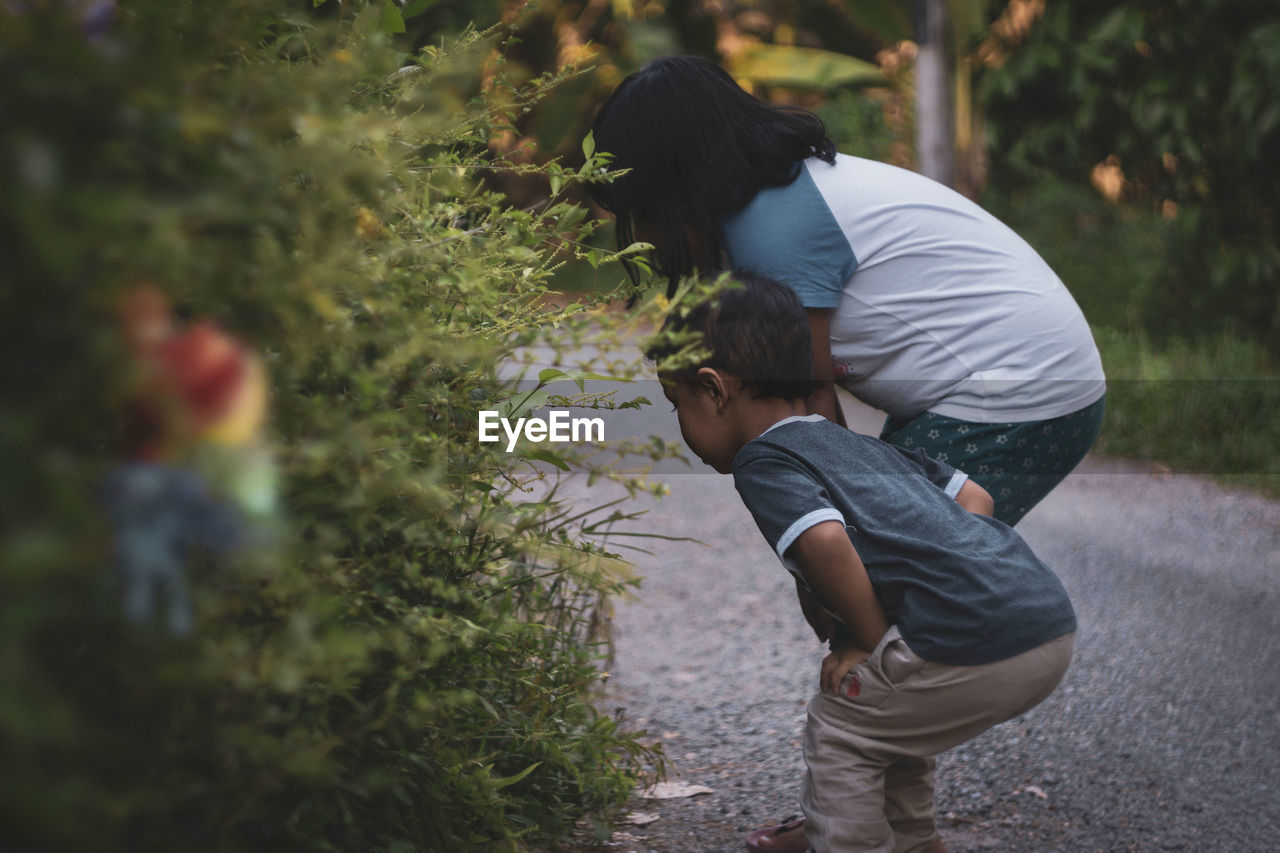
<point x="942" y="622"/>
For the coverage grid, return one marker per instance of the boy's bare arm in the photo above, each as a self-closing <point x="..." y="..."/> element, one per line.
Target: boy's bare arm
<point x="833" y="568"/>
<point x="819" y="620"/>
<point x="975" y="499"/>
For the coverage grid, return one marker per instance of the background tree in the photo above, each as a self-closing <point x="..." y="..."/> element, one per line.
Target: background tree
<point x="1173" y="106"/>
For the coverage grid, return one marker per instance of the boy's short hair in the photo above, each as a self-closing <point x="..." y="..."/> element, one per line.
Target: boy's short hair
<point x="756" y="330"/>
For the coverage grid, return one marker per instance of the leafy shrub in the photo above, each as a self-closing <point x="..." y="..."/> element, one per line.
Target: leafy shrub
<point x="406" y="664"/>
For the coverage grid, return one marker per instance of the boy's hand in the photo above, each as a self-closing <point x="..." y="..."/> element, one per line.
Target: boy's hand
<point x="836" y="665"/>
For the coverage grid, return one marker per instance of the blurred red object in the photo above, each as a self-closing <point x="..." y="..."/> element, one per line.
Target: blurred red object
<point x="195" y="383"/>
<point x="207" y="370"/>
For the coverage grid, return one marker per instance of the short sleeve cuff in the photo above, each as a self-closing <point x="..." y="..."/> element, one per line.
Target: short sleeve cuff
<point x="804" y="522"/>
<point x="956" y="483"/>
<point x="813" y="297"/>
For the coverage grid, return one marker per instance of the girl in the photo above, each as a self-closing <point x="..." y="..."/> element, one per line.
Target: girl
<point x="921" y="303"/>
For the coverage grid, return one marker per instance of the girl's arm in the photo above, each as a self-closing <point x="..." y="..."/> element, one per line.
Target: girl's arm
<point x="834" y="569"/>
<point x="823" y="400"/>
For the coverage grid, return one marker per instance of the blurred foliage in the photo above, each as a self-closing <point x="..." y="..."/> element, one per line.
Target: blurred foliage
<point x="808" y="52"/>
<point x="1110" y="256"/>
<point x="1202" y="404"/>
<point x="866" y="125"/>
<point x="795" y="52"/>
<point x="1178" y="102"/>
<point x="1205" y="405"/>
<point x="407" y="663"/>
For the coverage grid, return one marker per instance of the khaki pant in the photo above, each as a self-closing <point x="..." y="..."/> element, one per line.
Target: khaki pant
<point x="870" y="756"/>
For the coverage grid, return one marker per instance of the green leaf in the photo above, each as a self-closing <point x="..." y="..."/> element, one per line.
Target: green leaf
<point x="551" y="374"/>
<point x="526" y="404"/>
<point x="589" y="145"/>
<point x="391" y="21"/>
<point x="416" y="7"/>
<point x="888" y="20"/>
<point x="548" y="456"/>
<point x="511" y="780"/>
<point x="802" y="67"/>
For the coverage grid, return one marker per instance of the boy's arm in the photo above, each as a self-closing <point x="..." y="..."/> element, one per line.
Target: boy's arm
<point x="833" y="568"/>
<point x="975" y="499"/>
<point x="819" y="620"/>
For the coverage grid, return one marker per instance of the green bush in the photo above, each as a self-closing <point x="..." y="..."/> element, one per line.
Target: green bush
<point x="406" y="663"/>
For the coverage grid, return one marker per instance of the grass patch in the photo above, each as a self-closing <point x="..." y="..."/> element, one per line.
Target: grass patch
<point x="1204" y="406"/>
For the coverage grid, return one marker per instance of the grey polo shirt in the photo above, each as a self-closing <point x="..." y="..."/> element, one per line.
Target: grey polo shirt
<point x="963" y="589"/>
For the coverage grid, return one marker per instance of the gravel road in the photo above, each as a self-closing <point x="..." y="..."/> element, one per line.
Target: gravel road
<point x="1164" y="736"/>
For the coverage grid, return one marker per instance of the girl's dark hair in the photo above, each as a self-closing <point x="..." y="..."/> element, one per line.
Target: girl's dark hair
<point x="754" y="328"/>
<point x="698" y="148"/>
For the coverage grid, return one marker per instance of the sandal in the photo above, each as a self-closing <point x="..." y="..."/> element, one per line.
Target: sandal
<point x="785" y="837"/>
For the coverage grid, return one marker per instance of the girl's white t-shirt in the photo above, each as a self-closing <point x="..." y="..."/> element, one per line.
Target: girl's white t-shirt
<point x="937" y="305"/>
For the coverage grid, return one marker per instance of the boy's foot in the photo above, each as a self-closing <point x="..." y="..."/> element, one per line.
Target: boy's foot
<point x="786" y="837"/>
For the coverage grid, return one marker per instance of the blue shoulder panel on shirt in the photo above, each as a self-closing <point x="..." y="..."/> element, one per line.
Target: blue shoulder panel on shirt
<point x="790" y="235"/>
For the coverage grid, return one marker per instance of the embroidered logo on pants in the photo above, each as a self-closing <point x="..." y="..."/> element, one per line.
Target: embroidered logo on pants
<point x="855" y="686"/>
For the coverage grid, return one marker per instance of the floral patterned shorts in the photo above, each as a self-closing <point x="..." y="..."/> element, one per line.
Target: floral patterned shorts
<point x="1018" y="463"/>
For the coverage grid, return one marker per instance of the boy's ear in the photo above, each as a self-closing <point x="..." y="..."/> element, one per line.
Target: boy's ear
<point x="715" y="384"/>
